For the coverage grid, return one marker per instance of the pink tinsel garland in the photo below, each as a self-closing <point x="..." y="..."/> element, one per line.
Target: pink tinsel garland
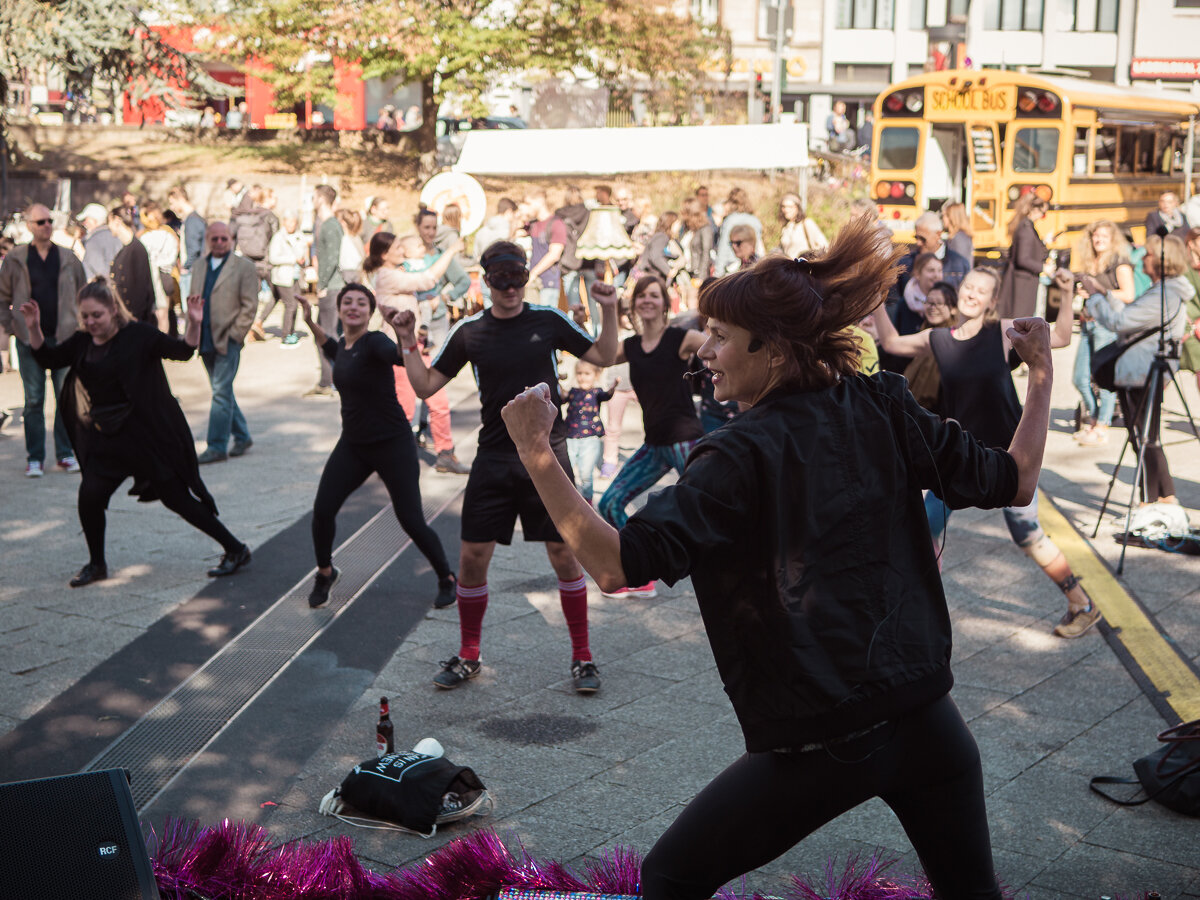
<point x="238" y="861"/>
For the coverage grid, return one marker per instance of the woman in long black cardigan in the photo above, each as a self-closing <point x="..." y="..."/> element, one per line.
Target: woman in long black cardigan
<point x="1026" y="259"/>
<point x="124" y="420"/>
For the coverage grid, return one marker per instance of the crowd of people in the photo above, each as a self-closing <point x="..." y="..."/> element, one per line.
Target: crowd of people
<point x="813" y="489"/>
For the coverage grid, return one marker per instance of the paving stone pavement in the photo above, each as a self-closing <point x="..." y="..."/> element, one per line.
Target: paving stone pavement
<point x="573" y="776"/>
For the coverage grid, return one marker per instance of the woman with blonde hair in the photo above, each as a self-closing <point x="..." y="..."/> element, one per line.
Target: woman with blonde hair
<point x="958" y="227"/>
<point x="125" y="422"/>
<point x="801" y="527"/>
<point x="800" y="234"/>
<point x="978" y="392"/>
<point x="353" y="252"/>
<point x="1101" y="257"/>
<point x="162" y="246"/>
<point x="1026" y="259"/>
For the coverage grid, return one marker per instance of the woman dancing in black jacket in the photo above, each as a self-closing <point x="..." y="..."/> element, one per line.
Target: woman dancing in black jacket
<point x="124" y="420"/>
<point x="802" y="527"/>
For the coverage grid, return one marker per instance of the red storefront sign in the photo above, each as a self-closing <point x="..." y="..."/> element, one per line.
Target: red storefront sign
<point x="1165" y="69"/>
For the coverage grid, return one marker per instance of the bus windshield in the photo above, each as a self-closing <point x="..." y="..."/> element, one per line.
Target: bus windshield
<point x="898" y="148"/>
<point x="1036" y="150"/>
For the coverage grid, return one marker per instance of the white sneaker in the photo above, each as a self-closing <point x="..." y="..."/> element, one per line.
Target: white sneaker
<point x="1155" y="521"/>
<point x="33" y="469"/>
<point x="69" y="464"/>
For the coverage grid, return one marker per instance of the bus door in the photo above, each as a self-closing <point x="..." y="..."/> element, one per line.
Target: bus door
<point x="943" y="178"/>
<point x="983" y="196"/>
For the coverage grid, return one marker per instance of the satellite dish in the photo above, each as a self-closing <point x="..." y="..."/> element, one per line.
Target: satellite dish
<point x="459" y="188"/>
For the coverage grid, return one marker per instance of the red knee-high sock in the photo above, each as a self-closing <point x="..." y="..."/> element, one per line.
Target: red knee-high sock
<point x="472" y="604"/>
<point x="573" y="596"/>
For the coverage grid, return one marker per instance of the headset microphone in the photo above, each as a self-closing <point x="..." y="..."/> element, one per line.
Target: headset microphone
<point x="754" y="346"/>
<point x="699" y="373"/>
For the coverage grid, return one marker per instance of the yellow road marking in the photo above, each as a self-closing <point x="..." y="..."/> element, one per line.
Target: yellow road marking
<point x="1152" y="652"/>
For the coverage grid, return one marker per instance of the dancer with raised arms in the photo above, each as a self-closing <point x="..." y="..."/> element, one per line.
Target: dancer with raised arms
<point x="802" y="527"/>
<point x="977" y="391"/>
<point x="125" y="422"/>
<point x="510" y="346"/>
<point x="376" y="437"/>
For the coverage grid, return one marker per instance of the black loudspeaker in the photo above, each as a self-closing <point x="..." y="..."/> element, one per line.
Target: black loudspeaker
<point x="73" y="836"/>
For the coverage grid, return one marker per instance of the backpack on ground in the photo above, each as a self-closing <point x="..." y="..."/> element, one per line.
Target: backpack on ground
<point x="1170" y="775"/>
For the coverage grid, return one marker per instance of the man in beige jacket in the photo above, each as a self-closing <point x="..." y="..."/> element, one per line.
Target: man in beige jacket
<point x="50" y="276"/>
<point x="229" y="286"/>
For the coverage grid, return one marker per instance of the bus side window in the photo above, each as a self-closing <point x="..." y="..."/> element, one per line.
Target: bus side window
<point x="1126" y="150"/>
<point x="1106" y="151"/>
<point x="1079" y="154"/>
<point x="1145" y="151"/>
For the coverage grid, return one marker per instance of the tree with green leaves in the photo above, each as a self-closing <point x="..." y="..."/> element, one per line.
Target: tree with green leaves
<point x="91" y="42"/>
<point x="461" y="46"/>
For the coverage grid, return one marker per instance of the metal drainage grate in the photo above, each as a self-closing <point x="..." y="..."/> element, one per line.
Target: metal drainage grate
<point x="166" y="739"/>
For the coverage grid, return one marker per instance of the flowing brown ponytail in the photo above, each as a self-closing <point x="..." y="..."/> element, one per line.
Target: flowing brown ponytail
<point x="380" y="243"/>
<point x="803" y="308"/>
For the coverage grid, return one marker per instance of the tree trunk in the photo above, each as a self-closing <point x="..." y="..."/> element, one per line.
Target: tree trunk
<point x="427" y="133"/>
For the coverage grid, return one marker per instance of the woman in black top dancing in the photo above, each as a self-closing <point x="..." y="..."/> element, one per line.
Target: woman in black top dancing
<point x="124" y="420"/>
<point x="376" y="437"/>
<point x="801" y="525"/>
<point x="977" y="390"/>
<point x="657" y="355"/>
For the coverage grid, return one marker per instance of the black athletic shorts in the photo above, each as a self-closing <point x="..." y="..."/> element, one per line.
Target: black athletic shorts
<point x="499" y="490"/>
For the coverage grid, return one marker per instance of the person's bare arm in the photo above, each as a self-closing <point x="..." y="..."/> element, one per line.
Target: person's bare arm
<point x="1061" y="336"/>
<point x="692" y="342"/>
<point x="595" y="543"/>
<point x="604" y="352"/>
<point x="891" y="341"/>
<point x="1031" y="339"/>
<point x="425" y="381"/>
<point x="316" y="330"/>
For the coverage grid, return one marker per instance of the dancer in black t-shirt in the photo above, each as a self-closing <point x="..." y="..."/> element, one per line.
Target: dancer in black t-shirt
<point x="510" y="346"/>
<point x="376" y="437"/>
<point x="658" y="361"/>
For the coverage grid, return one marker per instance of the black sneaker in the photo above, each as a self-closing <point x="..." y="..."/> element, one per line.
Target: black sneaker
<point x="89" y="573"/>
<point x="447" y="594"/>
<point x="321" y="587"/>
<point x="231" y="562"/>
<point x="455" y="671"/>
<point x="585" y="676"/>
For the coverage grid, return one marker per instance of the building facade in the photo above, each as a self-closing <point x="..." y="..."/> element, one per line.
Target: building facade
<point x="850" y="50"/>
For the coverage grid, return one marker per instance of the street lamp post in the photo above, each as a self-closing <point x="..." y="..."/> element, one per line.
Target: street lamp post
<point x="780" y="34"/>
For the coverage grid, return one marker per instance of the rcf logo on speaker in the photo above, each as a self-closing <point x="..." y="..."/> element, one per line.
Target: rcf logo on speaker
<point x="108" y="851"/>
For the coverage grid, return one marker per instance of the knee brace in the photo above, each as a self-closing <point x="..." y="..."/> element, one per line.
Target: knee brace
<point x="1041" y="549"/>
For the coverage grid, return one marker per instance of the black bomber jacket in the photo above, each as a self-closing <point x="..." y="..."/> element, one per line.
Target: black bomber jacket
<point x="802" y="526"/>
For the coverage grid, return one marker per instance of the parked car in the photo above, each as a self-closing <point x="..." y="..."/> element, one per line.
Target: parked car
<point x="451" y="133"/>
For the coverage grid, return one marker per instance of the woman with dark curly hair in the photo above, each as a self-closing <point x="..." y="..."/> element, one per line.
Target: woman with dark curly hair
<point x="801" y="526"/>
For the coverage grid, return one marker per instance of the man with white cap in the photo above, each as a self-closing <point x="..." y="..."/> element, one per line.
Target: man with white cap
<point x="100" y="246"/>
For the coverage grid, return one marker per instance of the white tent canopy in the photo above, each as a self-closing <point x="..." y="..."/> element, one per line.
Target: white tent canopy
<point x="610" y="151"/>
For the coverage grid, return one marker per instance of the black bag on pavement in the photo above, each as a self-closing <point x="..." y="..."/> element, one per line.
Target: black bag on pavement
<point x="1169" y="775"/>
<point x="409" y="788"/>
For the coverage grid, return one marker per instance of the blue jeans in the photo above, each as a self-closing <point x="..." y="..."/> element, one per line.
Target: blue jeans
<point x="585" y="454"/>
<point x="33" y="378"/>
<point x="650" y="463"/>
<point x="224" y="416"/>
<point x="1099" y="404"/>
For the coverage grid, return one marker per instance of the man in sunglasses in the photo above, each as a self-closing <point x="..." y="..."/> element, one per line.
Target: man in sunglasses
<point x="510" y="346"/>
<point x="43" y="272"/>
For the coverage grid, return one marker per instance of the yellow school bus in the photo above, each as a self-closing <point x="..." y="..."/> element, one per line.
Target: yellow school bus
<point x="984" y="137"/>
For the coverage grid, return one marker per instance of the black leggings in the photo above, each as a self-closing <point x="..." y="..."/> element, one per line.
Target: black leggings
<point x="925" y="766"/>
<point x="95" y="491"/>
<point x="349" y="465"/>
<point x="1157" y="481"/>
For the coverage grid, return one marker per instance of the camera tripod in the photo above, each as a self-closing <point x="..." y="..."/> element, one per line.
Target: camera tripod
<point x="1148" y="415"/>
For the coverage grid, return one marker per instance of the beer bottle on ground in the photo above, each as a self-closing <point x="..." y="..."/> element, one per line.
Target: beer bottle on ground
<point x="384" y="732"/>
